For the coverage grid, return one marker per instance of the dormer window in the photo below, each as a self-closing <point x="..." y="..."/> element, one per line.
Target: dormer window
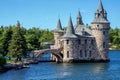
<point x="67" y="42"/>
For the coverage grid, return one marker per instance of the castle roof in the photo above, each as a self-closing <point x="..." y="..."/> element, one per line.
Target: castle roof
<point x="70" y="33"/>
<point x="80" y="27"/>
<point x="59" y="26"/>
<point x="100" y="7"/>
<point x="79" y="18"/>
<point x="100" y="15"/>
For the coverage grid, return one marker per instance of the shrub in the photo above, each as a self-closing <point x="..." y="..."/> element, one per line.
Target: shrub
<point x="2" y="61"/>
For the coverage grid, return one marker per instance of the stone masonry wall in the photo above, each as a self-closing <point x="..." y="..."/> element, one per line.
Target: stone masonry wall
<point x="101" y="33"/>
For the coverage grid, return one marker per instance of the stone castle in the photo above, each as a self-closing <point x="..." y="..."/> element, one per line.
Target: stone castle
<point x="79" y="43"/>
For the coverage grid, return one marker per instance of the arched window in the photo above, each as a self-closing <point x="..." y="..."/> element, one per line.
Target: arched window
<point x="92" y="41"/>
<point x="81" y="55"/>
<point x="67" y="54"/>
<point x="79" y="41"/>
<point x="103" y="44"/>
<point x="85" y="53"/>
<point x="90" y="54"/>
<point x="67" y="42"/>
<point x="103" y="32"/>
<point x="97" y="25"/>
<point x="85" y="41"/>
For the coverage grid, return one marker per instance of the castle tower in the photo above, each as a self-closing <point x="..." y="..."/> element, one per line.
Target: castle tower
<point x="79" y="19"/>
<point x="58" y="33"/>
<point x="80" y="25"/>
<point x="100" y="30"/>
<point x="69" y="43"/>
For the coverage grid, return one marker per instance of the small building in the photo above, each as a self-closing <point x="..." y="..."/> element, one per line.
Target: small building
<point x="79" y="43"/>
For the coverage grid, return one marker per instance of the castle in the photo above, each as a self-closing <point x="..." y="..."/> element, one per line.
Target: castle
<point x="83" y="44"/>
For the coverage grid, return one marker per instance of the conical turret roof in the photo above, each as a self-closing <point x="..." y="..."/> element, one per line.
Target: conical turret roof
<point x="100" y="7"/>
<point x="100" y="14"/>
<point x="79" y="15"/>
<point x="79" y="19"/>
<point x="70" y="30"/>
<point x="59" y="26"/>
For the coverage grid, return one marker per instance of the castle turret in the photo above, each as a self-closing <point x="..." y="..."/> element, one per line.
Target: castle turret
<point x="100" y="30"/>
<point x="58" y="33"/>
<point x="69" y="43"/>
<point x="79" y="19"/>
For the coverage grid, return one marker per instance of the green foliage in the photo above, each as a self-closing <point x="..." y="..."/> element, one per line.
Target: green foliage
<point x="6" y="40"/>
<point x="17" y="46"/>
<point x="115" y="38"/>
<point x="2" y="61"/>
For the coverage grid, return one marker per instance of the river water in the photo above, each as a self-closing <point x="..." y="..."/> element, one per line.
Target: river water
<point x="77" y="71"/>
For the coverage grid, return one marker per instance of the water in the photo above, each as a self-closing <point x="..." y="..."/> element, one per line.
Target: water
<point x="78" y="71"/>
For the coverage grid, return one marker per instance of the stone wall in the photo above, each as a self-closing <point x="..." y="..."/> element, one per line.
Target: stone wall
<point x="80" y="49"/>
<point x="101" y="33"/>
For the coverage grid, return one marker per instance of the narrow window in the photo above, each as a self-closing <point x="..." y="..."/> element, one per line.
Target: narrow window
<point x="79" y="41"/>
<point x="85" y="41"/>
<point x="92" y="41"/>
<point x="90" y="54"/>
<point x="103" y="44"/>
<point x="85" y="53"/>
<point x="67" y="54"/>
<point x="67" y="41"/>
<point x="103" y="32"/>
<point x="81" y="53"/>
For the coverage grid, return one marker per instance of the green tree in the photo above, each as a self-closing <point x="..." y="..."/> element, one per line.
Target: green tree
<point x="17" y="46"/>
<point x="6" y="40"/>
<point x="32" y="42"/>
<point x="2" y="61"/>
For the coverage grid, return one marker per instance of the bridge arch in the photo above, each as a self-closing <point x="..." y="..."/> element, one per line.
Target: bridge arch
<point x="54" y="52"/>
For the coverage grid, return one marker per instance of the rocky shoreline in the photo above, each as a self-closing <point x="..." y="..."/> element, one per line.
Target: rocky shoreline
<point x="18" y="65"/>
<point x="9" y="66"/>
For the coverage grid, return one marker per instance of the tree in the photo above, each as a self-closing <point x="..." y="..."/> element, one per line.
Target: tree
<point x="32" y="42"/>
<point x="6" y="40"/>
<point x="17" y="46"/>
<point x="2" y="61"/>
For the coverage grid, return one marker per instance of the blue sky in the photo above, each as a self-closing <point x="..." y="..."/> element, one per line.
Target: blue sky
<point x="45" y="13"/>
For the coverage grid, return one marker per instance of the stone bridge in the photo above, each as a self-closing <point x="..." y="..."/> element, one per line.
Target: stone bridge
<point x="55" y="52"/>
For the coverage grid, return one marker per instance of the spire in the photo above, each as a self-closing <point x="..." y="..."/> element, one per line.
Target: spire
<point x="79" y="15"/>
<point x="100" y="7"/>
<point x="100" y="14"/>
<point x="59" y="26"/>
<point x="70" y="30"/>
<point x="79" y="19"/>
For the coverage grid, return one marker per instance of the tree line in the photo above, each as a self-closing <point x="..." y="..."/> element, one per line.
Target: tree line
<point x="114" y="38"/>
<point x="16" y="41"/>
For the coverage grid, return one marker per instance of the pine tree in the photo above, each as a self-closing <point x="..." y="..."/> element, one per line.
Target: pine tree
<point x="17" y="46"/>
<point x="6" y="40"/>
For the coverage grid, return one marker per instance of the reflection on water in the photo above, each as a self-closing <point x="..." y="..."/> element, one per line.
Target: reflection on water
<point x="77" y="71"/>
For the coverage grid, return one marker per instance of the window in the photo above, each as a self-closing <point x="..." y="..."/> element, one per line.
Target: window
<point x="103" y="32"/>
<point x="90" y="54"/>
<point x="67" y="41"/>
<point x="103" y="44"/>
<point x="79" y="41"/>
<point x="97" y="25"/>
<point x="92" y="41"/>
<point x="85" y="41"/>
<point x="67" y="54"/>
<point x="85" y="53"/>
<point x="81" y="53"/>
